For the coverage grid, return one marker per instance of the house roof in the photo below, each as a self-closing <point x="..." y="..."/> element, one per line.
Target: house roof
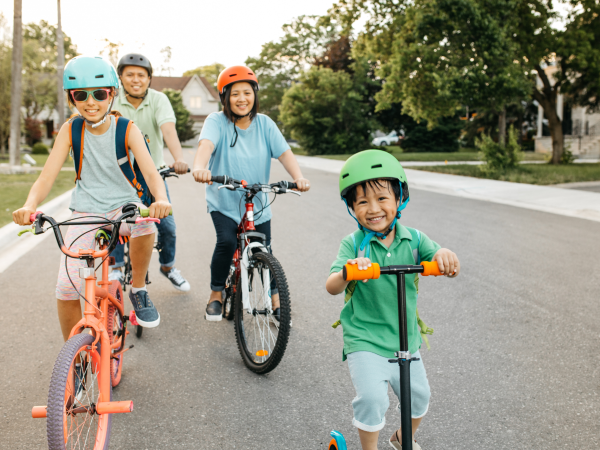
<point x="179" y="83"/>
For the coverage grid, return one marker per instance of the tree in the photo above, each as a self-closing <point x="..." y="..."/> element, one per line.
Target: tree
<point x="15" y="93"/>
<point x="210" y="72"/>
<point x="5" y="83"/>
<point x="111" y="51"/>
<point x="326" y="113"/>
<point x="60" y="66"/>
<point x="167" y="53"/>
<point x="281" y="63"/>
<point x="184" y="123"/>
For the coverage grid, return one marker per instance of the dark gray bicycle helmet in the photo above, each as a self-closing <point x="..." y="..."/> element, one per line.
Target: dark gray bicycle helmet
<point x="134" y="59"/>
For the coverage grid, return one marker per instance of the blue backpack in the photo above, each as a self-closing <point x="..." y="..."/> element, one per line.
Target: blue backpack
<point x="131" y="171"/>
<point x="364" y="253"/>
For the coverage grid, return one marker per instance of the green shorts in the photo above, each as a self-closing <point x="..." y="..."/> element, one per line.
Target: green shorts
<point x="370" y="375"/>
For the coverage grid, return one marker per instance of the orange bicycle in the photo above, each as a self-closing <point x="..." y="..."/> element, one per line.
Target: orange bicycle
<point x="80" y="406"/>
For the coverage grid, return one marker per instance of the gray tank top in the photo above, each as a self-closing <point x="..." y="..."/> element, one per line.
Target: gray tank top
<point x="102" y="187"/>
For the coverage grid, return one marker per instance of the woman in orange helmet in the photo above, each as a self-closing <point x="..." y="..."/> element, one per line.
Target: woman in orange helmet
<point x="238" y="142"/>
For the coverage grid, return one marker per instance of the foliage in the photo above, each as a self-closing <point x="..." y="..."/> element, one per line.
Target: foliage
<point x="326" y="113"/>
<point x="33" y="130"/>
<point x="167" y="53"/>
<point x="337" y="55"/>
<point x="111" y="51"/>
<point x="441" y="138"/>
<point x="39" y="148"/>
<point x="499" y="158"/>
<point x="184" y="123"/>
<point x="5" y="83"/>
<point x="281" y="63"/>
<point x="567" y="157"/>
<point x="210" y="72"/>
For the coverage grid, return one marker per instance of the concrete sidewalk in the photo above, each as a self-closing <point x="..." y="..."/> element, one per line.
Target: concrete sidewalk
<point x="566" y="202"/>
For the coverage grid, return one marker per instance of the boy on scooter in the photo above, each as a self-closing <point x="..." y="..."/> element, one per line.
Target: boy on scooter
<point x="373" y="185"/>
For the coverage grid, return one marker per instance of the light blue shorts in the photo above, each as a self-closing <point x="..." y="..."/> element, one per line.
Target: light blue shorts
<point x="370" y="375"/>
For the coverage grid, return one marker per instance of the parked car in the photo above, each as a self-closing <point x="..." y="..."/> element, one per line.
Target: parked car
<point x="390" y="139"/>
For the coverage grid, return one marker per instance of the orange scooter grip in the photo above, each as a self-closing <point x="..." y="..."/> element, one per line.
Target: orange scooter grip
<point x="431" y="268"/>
<point x="351" y="272"/>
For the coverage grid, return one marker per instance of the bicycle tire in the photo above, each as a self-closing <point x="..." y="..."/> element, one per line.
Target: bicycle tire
<point x="115" y="329"/>
<point x="250" y="328"/>
<point x="228" y="296"/>
<point x="61" y="399"/>
<point x="138" y="331"/>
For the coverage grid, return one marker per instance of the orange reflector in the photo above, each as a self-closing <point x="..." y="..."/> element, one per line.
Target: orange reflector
<point x="262" y="353"/>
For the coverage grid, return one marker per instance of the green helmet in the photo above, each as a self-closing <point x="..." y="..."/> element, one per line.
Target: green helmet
<point x="370" y="165"/>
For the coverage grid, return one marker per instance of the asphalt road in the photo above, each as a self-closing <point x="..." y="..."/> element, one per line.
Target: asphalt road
<point x="513" y="365"/>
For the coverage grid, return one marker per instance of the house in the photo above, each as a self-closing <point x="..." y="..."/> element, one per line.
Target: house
<point x="199" y="96"/>
<point x="581" y="129"/>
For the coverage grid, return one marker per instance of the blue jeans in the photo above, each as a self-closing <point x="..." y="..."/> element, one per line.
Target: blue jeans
<point x="166" y="242"/>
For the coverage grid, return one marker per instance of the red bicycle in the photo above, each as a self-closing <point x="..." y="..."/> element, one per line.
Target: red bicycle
<point x="256" y="279"/>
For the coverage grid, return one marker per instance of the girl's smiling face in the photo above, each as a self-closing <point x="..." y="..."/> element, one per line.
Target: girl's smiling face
<point x="376" y="206"/>
<point x="241" y="99"/>
<point x="92" y="109"/>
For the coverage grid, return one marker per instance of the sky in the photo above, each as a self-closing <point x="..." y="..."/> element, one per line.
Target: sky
<point x="198" y="32"/>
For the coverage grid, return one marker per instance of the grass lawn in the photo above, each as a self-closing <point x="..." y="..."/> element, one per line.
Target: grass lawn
<point x="463" y="155"/>
<point x="527" y="173"/>
<point x="15" y="188"/>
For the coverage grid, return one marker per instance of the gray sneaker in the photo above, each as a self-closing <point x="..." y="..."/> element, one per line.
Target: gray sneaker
<point x="145" y="312"/>
<point x="214" y="311"/>
<point x="176" y="279"/>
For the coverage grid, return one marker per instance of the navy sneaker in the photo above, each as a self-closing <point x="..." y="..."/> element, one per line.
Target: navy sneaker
<point x="145" y="312"/>
<point x="214" y="311"/>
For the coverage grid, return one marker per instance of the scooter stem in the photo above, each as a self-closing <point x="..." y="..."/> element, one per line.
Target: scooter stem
<point x="404" y="364"/>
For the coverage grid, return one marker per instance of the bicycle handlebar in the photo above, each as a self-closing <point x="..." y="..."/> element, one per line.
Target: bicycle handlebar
<point x="231" y="183"/>
<point x="167" y="172"/>
<point x="426" y="268"/>
<point x="129" y="211"/>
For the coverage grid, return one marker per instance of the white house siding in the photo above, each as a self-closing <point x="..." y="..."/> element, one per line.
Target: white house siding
<point x="195" y="88"/>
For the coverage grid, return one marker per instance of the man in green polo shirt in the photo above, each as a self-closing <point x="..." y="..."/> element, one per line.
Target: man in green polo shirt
<point x="153" y="114"/>
<point x="373" y="185"/>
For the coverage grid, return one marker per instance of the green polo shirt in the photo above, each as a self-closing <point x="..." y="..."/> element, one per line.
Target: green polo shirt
<point x="154" y="111"/>
<point x="370" y="318"/>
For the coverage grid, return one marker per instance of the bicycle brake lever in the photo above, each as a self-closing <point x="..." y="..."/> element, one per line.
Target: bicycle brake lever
<point x="146" y="219"/>
<point x="228" y="186"/>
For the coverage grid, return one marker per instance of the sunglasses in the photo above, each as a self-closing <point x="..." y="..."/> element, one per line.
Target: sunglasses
<point x="99" y="95"/>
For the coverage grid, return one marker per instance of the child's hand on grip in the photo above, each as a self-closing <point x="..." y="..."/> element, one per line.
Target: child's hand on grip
<point x="363" y="264"/>
<point x="160" y="209"/>
<point x="22" y="216"/>
<point x="447" y="262"/>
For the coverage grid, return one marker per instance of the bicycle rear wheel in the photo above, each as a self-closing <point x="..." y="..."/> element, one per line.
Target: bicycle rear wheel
<point x="262" y="339"/>
<point x="72" y="422"/>
<point x="229" y="295"/>
<point x="116" y="332"/>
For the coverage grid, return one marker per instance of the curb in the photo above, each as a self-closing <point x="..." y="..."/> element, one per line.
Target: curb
<point x="8" y="233"/>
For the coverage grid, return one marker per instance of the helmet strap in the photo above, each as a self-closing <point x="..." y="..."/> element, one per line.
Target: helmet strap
<point x="101" y="121"/>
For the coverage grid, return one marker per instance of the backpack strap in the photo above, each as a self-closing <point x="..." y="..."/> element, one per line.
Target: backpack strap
<point x="122" y="150"/>
<point x="76" y="135"/>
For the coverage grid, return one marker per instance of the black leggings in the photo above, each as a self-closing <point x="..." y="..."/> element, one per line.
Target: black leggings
<point x="226" y="229"/>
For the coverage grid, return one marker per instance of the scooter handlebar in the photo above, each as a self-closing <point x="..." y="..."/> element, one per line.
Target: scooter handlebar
<point x="351" y="271"/>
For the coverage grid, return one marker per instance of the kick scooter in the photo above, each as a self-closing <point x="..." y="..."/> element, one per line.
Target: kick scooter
<point x="403" y="357"/>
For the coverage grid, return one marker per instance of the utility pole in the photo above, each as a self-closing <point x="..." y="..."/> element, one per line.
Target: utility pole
<point x="60" y="67"/>
<point x="14" y="144"/>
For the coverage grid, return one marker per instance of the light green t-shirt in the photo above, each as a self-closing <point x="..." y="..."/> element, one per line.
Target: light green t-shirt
<point x="370" y="318"/>
<point x="152" y="113"/>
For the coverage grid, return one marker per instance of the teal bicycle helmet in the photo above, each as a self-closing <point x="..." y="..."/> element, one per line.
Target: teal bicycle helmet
<point x="83" y="72"/>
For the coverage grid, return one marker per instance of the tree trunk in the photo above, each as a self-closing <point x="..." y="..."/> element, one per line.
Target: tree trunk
<point x="15" y="94"/>
<point x="558" y="140"/>
<point x="60" y="65"/>
<point x="502" y="127"/>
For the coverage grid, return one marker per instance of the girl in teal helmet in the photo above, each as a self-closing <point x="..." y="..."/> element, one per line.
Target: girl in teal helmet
<point x="101" y="188"/>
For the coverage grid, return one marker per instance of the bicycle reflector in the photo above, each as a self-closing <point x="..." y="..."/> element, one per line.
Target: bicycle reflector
<point x="262" y="353"/>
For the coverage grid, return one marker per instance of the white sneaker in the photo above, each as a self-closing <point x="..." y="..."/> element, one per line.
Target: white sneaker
<point x="176" y="279"/>
<point x="116" y="275"/>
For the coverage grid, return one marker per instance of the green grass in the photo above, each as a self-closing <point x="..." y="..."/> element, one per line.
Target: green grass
<point x="463" y="155"/>
<point x="15" y="189"/>
<point x="544" y="174"/>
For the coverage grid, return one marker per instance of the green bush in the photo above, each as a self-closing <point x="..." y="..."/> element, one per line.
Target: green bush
<point x="442" y="138"/>
<point x="499" y="158"/>
<point x="39" y="148"/>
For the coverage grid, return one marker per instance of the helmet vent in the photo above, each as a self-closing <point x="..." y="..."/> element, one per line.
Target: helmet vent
<point x="376" y="166"/>
<point x="99" y="76"/>
<point x="232" y="75"/>
<point x="345" y="175"/>
<point x="71" y="78"/>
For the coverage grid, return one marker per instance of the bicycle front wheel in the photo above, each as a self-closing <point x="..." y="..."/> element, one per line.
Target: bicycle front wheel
<point x="72" y="421"/>
<point x="116" y="332"/>
<point x="261" y="338"/>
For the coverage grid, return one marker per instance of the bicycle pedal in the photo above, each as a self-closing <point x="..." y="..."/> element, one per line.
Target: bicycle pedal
<point x="133" y="319"/>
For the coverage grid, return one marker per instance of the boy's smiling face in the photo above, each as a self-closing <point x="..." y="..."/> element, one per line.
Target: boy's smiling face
<point x="376" y="207"/>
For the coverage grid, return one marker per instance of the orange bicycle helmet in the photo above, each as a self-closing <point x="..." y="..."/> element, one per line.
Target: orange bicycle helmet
<point x="235" y="74"/>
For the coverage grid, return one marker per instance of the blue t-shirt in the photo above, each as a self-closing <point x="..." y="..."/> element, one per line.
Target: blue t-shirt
<point x="249" y="160"/>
